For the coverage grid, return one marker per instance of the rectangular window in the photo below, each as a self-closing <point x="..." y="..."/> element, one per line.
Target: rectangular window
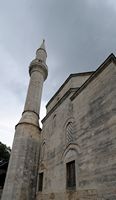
<point x="40" y="186"/>
<point x="70" y="173"/>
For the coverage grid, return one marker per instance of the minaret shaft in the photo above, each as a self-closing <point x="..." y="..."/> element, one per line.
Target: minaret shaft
<point x="34" y="93"/>
<point x="21" y="179"/>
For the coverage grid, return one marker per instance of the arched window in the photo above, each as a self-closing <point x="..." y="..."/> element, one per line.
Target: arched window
<point x="70" y="160"/>
<point x="70" y="175"/>
<point x="69" y="132"/>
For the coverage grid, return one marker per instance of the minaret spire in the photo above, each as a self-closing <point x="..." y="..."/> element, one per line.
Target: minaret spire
<point x="43" y="45"/>
<point x="21" y="176"/>
<point x="41" y="53"/>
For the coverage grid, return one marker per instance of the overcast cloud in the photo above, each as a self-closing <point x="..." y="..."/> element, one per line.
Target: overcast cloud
<point x="79" y="35"/>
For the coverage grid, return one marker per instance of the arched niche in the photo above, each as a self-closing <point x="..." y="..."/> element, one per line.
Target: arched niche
<point x="70" y="131"/>
<point x="71" y="148"/>
<point x="71" y="156"/>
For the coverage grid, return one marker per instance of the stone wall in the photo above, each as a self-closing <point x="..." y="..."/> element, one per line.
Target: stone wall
<point x="69" y="195"/>
<point x="92" y="114"/>
<point x="96" y="133"/>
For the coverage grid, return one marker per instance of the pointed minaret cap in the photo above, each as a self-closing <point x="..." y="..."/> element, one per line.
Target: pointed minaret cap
<point x="43" y="45"/>
<point x="40" y="61"/>
<point x="41" y="53"/>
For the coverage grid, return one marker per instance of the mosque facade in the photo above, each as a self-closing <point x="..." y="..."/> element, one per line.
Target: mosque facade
<point x="73" y="157"/>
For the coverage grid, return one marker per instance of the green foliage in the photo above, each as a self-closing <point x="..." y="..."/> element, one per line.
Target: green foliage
<point x="4" y="152"/>
<point x="4" y="159"/>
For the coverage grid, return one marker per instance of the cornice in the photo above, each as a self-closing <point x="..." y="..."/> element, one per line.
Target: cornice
<point x="111" y="58"/>
<point x="58" y="103"/>
<point x="70" y="76"/>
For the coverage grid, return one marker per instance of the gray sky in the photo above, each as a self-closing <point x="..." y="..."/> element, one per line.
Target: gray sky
<point x="79" y="35"/>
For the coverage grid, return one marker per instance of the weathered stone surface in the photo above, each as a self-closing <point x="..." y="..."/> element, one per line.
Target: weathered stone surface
<point x="93" y="113"/>
<point x="22" y="171"/>
<point x="71" y="195"/>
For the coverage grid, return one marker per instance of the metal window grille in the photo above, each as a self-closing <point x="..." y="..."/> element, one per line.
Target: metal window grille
<point x="70" y="172"/>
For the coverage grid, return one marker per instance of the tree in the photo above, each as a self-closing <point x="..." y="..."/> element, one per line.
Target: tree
<point x="4" y="160"/>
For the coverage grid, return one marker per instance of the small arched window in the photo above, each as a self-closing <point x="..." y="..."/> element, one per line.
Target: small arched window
<point x="69" y="132"/>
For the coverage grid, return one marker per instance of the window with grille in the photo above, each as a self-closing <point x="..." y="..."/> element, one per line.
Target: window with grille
<point x="40" y="186"/>
<point x="70" y="175"/>
<point x="69" y="133"/>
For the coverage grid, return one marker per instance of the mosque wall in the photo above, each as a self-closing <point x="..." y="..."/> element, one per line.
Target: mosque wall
<point x="81" y="131"/>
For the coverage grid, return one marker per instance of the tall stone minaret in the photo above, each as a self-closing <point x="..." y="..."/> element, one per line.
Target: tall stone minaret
<point x="21" y="177"/>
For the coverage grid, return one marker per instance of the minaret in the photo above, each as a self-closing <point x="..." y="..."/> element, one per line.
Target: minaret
<point x="21" y="176"/>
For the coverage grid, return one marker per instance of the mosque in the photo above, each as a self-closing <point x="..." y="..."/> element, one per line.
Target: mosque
<point x="73" y="157"/>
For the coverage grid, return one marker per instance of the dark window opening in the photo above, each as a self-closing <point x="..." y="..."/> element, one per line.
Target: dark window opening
<point x="70" y="175"/>
<point x="40" y="186"/>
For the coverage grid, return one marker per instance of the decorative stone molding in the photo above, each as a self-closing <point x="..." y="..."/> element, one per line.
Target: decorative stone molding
<point x="71" y="147"/>
<point x="38" y="65"/>
<point x="70" y="130"/>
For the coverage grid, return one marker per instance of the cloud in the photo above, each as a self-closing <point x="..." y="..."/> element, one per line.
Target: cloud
<point x="81" y="35"/>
